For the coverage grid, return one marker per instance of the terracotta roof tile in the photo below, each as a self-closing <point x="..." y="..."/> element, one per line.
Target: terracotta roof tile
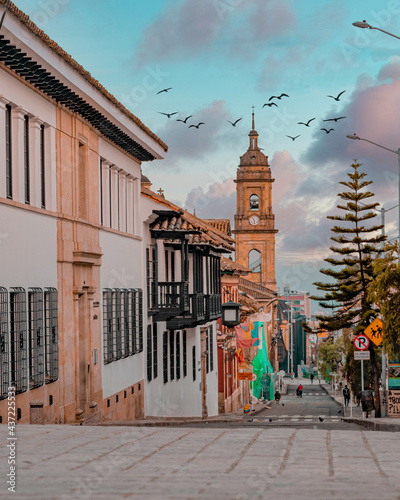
<point x="231" y="265"/>
<point x="187" y="222"/>
<point x="223" y="225"/>
<point x="24" y="19"/>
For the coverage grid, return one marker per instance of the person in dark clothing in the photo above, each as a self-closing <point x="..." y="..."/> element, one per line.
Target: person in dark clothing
<point x="312" y="377"/>
<point x="277" y="397"/>
<point x="346" y="395"/>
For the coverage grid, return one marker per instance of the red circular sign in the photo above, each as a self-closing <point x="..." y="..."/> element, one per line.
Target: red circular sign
<point x="361" y="342"/>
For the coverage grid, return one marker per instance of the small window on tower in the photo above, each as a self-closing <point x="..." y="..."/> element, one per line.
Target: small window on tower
<point x="254" y="202"/>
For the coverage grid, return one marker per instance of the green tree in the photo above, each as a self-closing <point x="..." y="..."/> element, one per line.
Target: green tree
<point x="330" y="356"/>
<point x="351" y="271"/>
<point x="384" y="291"/>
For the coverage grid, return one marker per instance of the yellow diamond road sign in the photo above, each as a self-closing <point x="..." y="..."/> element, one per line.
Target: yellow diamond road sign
<point x="375" y="331"/>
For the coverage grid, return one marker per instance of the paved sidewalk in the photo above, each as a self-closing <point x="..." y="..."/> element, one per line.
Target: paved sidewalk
<point x="376" y="424"/>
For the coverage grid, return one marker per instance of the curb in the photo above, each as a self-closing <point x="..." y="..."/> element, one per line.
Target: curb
<point x="373" y="424"/>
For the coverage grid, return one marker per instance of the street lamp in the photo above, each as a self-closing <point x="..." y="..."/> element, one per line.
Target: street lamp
<point x="230" y="314"/>
<point x="397" y="152"/>
<point x="364" y="24"/>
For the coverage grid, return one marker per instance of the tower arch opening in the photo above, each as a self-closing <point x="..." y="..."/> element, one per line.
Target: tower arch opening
<point x="255" y="260"/>
<point x="254" y="203"/>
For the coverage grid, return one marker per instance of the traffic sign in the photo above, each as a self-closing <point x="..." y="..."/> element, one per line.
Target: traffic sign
<point x="361" y="342"/>
<point x="245" y="375"/>
<point x="365" y="355"/>
<point x="254" y="377"/>
<point x="375" y="331"/>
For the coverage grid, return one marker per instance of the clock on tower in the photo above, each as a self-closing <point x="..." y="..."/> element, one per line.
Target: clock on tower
<point x="254" y="220"/>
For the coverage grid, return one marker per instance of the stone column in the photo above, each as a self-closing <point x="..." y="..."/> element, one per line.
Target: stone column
<point x="17" y="132"/>
<point x="122" y="200"/>
<point x="114" y="196"/>
<point x="34" y="161"/>
<point x="130" y="197"/>
<point x="105" y="182"/>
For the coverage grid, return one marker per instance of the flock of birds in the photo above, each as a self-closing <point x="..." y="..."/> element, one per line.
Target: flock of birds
<point x="270" y="103"/>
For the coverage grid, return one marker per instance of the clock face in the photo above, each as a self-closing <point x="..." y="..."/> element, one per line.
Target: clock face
<point x="254" y="220"/>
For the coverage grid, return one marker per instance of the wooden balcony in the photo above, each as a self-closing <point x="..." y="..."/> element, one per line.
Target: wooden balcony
<point x="195" y="316"/>
<point x="168" y="299"/>
<point x="213" y="307"/>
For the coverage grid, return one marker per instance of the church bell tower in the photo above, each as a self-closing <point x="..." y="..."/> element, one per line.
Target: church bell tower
<point x="254" y="219"/>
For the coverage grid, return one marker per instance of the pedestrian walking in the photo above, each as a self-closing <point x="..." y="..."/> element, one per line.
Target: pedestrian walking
<point x="277" y="397"/>
<point x="346" y="395"/>
<point x="312" y="378"/>
<point x="300" y="391"/>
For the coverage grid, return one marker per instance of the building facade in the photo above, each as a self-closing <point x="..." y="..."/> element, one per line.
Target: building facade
<point x="72" y="279"/>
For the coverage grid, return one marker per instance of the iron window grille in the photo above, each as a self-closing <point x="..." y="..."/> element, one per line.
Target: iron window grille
<point x="165" y="357"/>
<point x="18" y="351"/>
<point x="155" y="351"/>
<point x="51" y="334"/>
<point x="171" y="354"/>
<point x="194" y="363"/>
<point x="178" y="355"/>
<point x="122" y="323"/>
<point x="4" y="344"/>
<point x="9" y="183"/>
<point x="35" y="338"/>
<point x="117" y="321"/>
<point x="128" y="349"/>
<point x="149" y="354"/>
<point x="107" y="327"/>
<point x="138" y="318"/>
<point x="184" y="353"/>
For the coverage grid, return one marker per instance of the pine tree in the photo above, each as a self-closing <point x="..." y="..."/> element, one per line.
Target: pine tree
<point x="352" y="266"/>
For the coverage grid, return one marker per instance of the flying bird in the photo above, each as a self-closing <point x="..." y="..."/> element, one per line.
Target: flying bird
<point x="270" y="419"/>
<point x="234" y="123"/>
<point x="327" y="131"/>
<point x="185" y="120"/>
<point x="293" y="138"/>
<point x="250" y="420"/>
<point x="169" y="114"/>
<point x="338" y="96"/>
<point x="278" y="96"/>
<point x="321" y="419"/>
<point x="270" y="104"/>
<point x="197" y="126"/>
<point x="164" y="90"/>
<point x="306" y="124"/>
<point x="334" y="119"/>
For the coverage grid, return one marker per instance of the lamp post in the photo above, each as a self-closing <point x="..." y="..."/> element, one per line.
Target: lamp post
<point x="397" y="152"/>
<point x="364" y="24"/>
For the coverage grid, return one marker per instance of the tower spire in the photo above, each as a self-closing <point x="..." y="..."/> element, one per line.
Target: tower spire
<point x="253" y="135"/>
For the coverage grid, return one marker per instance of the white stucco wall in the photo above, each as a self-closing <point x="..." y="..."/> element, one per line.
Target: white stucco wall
<point x="28" y="248"/>
<point x="121" y="268"/>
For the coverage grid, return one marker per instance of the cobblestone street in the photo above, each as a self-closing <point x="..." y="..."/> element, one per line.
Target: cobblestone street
<point x="64" y="462"/>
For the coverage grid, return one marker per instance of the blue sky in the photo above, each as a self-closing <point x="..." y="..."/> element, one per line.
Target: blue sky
<point x="221" y="57"/>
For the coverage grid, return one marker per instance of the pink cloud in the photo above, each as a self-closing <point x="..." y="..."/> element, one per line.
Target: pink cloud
<point x="183" y="29"/>
<point x="217" y="201"/>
